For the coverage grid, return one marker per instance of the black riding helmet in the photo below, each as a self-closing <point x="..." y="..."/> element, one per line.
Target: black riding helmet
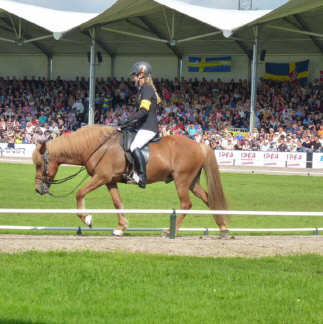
<point x="139" y="67"/>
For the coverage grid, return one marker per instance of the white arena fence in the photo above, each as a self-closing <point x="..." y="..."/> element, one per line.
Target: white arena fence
<point x="172" y="213"/>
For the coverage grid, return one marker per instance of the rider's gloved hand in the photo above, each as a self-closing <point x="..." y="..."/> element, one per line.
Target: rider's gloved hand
<point x="123" y="122"/>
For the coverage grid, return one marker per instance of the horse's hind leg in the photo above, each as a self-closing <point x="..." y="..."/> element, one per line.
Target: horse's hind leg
<point x="122" y="221"/>
<point x="90" y="186"/>
<point x="185" y="203"/>
<point x="199" y="192"/>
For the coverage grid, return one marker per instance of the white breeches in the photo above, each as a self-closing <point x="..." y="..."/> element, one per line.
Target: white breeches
<point x="142" y="138"/>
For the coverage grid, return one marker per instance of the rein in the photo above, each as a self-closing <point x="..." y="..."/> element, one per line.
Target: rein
<point x="59" y="181"/>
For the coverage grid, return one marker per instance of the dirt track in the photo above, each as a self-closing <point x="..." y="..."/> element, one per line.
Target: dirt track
<point x="212" y="246"/>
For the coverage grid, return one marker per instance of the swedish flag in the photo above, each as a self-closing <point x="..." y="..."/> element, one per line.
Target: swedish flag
<point x="211" y="64"/>
<point x="282" y="71"/>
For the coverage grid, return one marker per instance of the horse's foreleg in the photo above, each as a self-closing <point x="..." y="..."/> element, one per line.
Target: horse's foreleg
<point x="122" y="221"/>
<point x="199" y="192"/>
<point x="90" y="186"/>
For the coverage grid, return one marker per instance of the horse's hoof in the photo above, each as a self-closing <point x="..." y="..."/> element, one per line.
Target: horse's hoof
<point x="164" y="234"/>
<point x="117" y="232"/>
<point x="88" y="221"/>
<point x="224" y="234"/>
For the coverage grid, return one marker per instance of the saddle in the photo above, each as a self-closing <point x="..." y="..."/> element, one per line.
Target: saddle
<point x="127" y="136"/>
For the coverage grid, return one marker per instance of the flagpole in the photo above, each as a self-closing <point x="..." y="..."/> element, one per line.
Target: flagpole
<point x="254" y="79"/>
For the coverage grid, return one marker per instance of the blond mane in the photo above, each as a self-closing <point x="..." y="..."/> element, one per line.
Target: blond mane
<point x="36" y="157"/>
<point x="74" y="145"/>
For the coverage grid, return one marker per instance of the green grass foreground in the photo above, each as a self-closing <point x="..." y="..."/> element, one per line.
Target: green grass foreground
<point x="243" y="191"/>
<point x="97" y="287"/>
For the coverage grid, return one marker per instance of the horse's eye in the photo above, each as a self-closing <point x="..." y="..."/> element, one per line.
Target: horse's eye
<point x="38" y="166"/>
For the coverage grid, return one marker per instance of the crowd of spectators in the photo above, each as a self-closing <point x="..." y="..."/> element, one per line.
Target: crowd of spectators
<point x="289" y="117"/>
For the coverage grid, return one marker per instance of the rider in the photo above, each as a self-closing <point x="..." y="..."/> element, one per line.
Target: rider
<point x="145" y="119"/>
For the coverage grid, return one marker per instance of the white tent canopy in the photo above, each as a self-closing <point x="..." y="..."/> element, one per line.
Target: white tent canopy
<point x="169" y="26"/>
<point x="146" y="26"/>
<point x="221" y="19"/>
<point x="52" y="20"/>
<point x="161" y="27"/>
<point x="36" y="28"/>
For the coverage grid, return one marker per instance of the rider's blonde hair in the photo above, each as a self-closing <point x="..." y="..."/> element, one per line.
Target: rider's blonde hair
<point x="149" y="80"/>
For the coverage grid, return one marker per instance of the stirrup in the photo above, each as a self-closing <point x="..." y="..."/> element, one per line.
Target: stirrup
<point x="131" y="178"/>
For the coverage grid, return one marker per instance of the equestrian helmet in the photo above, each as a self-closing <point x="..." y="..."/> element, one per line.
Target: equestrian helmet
<point x="141" y="67"/>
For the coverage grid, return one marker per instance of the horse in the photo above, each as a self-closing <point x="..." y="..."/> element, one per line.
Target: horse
<point x="97" y="148"/>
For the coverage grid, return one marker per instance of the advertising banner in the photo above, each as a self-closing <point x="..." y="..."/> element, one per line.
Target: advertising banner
<point x="224" y="157"/>
<point x="17" y="150"/>
<point x="264" y="159"/>
<point x="317" y="160"/>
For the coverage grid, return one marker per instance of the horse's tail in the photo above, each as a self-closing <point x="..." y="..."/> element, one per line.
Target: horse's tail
<point x="216" y="195"/>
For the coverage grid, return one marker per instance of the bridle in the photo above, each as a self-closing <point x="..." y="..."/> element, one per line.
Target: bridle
<point x="44" y="178"/>
<point x="46" y="181"/>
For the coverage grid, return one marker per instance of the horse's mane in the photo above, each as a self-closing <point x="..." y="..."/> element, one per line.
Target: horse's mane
<point x="75" y="144"/>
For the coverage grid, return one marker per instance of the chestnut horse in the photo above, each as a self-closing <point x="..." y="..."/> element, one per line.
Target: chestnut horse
<point x="98" y="148"/>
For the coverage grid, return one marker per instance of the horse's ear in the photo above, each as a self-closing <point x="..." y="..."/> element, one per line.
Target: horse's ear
<point x="42" y="149"/>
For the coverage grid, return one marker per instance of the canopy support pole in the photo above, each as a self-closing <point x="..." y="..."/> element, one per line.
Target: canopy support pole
<point x="50" y="67"/>
<point x="93" y="33"/>
<point x="179" y="68"/>
<point x="254" y="79"/>
<point x="113" y="60"/>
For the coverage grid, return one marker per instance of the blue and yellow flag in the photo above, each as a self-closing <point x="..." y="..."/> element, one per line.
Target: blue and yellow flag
<point x="106" y="104"/>
<point x="211" y="64"/>
<point x="282" y="71"/>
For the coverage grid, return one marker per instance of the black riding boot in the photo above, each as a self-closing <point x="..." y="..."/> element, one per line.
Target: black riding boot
<point x="141" y="167"/>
